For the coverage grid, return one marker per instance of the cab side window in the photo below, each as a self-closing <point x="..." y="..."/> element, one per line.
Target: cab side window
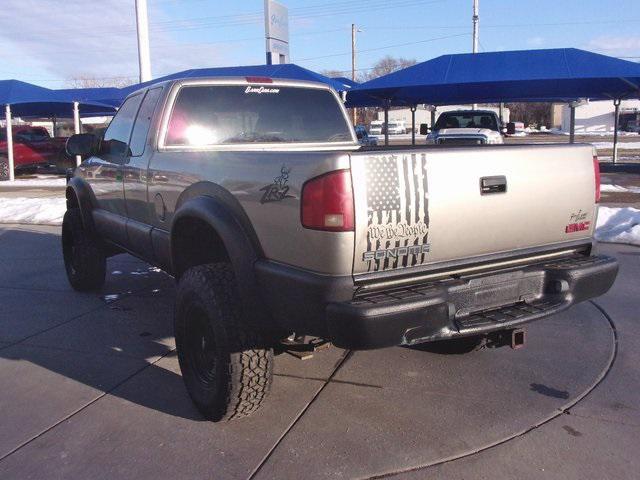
<point x="114" y="146"/>
<point x="143" y="122"/>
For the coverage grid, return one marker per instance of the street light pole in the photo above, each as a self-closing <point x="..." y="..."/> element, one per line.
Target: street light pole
<point x="144" y="57"/>
<point x="353" y="65"/>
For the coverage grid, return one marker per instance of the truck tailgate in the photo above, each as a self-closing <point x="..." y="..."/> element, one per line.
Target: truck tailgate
<point x="427" y="206"/>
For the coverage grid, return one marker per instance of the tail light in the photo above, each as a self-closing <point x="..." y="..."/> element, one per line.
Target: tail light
<point x="327" y="202"/>
<point x="596" y="174"/>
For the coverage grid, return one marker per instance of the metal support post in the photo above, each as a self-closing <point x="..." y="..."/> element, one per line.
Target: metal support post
<point x="616" y="120"/>
<point x="572" y="123"/>
<point x="413" y="124"/>
<point x="76" y="126"/>
<point x="7" y="116"/>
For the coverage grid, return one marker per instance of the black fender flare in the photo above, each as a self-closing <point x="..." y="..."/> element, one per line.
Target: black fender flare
<point x="82" y="191"/>
<point x="237" y="235"/>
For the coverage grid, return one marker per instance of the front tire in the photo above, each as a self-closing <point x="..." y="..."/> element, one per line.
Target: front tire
<point x="84" y="258"/>
<point x="226" y="365"/>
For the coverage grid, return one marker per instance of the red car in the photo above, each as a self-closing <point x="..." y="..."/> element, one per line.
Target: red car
<point x="32" y="147"/>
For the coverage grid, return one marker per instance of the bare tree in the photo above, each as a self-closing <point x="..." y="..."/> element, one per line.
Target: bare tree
<point x="387" y="65"/>
<point x="535" y="114"/>
<point x="95" y="82"/>
<point x="333" y="73"/>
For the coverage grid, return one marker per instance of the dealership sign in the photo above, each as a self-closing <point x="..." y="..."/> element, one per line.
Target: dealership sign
<point x="277" y="32"/>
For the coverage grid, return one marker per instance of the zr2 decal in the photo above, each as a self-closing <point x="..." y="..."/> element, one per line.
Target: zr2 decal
<point x="278" y="190"/>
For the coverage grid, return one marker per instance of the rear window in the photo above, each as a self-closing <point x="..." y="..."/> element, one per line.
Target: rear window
<point x="467" y="120"/>
<point x="245" y="114"/>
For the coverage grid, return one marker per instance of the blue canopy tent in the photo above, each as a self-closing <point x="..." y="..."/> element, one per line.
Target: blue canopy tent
<point x="288" y="71"/>
<point x="27" y="100"/>
<point x="555" y="75"/>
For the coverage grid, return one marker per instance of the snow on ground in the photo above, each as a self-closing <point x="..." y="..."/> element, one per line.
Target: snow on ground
<point x="35" y="182"/>
<point x="39" y="210"/>
<point x="605" y="187"/>
<point x="618" y="225"/>
<point x="621" y="145"/>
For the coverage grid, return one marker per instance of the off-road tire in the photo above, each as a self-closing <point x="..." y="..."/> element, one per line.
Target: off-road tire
<point x="84" y="258"/>
<point x="226" y="365"/>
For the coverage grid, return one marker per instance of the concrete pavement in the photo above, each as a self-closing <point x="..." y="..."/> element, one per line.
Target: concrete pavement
<point x="91" y="389"/>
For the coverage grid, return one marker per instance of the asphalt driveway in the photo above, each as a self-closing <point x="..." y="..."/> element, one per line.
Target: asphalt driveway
<point x="91" y="389"/>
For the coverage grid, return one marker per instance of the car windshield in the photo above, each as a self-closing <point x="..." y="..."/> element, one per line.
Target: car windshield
<point x="214" y="115"/>
<point x="467" y="120"/>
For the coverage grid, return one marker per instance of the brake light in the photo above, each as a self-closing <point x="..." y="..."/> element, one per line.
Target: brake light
<point x="596" y="174"/>
<point x="258" y="79"/>
<point x="327" y="202"/>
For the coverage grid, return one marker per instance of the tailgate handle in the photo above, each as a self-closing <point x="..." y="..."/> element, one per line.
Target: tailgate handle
<point x="496" y="184"/>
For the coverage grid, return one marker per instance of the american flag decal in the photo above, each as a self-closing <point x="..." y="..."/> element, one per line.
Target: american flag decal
<point x="397" y="211"/>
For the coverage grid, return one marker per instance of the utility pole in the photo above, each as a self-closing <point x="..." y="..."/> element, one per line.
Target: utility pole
<point x="476" y="21"/>
<point x="142" y="24"/>
<point x="353" y="65"/>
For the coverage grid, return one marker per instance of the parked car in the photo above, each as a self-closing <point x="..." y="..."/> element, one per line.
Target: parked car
<point x="375" y="128"/>
<point x="396" y="128"/>
<point x="363" y="137"/>
<point x="633" y="126"/>
<point x="32" y="147"/>
<point x="277" y="228"/>
<point x="465" y="127"/>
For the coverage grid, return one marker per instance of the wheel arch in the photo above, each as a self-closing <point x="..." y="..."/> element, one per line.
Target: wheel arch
<point x="229" y="237"/>
<point x="79" y="195"/>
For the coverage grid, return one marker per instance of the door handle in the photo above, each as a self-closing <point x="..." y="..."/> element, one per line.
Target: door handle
<point x="495" y="184"/>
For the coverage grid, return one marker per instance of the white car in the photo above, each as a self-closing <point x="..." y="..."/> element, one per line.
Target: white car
<point x="376" y="127"/>
<point x="397" y="128"/>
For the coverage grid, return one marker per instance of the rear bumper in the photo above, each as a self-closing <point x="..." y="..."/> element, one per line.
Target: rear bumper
<point x="476" y="304"/>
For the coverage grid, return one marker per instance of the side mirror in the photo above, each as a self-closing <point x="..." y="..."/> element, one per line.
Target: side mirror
<point x="83" y="144"/>
<point x="511" y="128"/>
<point x="424" y="129"/>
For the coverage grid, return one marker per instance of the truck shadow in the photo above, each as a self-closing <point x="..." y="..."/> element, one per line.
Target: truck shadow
<point x="114" y="346"/>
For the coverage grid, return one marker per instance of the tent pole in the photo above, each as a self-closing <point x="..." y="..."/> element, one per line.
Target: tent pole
<point x="54" y="125"/>
<point x="386" y="123"/>
<point x="616" y="119"/>
<point x="76" y="126"/>
<point x="433" y="116"/>
<point x="7" y="116"/>
<point x="413" y="124"/>
<point x="572" y="123"/>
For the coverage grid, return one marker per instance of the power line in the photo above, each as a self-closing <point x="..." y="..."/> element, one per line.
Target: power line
<point x="386" y="46"/>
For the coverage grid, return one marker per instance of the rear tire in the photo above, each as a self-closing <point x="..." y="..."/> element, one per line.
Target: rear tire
<point x="84" y="258"/>
<point x="226" y="365"/>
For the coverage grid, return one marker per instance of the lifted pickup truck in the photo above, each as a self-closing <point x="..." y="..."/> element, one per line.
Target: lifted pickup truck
<point x="276" y="226"/>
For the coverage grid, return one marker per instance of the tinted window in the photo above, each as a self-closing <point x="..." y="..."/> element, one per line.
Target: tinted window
<point x="467" y="120"/>
<point x="32" y="135"/>
<point x="116" y="138"/>
<point x="210" y="115"/>
<point x="143" y="121"/>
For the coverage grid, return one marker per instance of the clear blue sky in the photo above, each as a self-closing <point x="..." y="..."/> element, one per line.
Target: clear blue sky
<point x="47" y="43"/>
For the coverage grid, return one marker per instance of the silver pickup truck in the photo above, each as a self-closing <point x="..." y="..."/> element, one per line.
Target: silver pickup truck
<point x="282" y="233"/>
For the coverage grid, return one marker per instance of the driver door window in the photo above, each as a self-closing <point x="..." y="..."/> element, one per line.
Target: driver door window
<point x="115" y="145"/>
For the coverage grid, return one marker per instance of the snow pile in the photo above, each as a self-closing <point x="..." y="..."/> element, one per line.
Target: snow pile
<point x="35" y="182"/>
<point x="605" y="187"/>
<point x="39" y="210"/>
<point x="618" y="225"/>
